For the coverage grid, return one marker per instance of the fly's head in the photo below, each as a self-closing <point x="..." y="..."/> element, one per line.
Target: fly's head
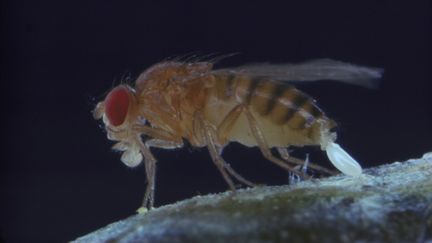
<point x="116" y="108"/>
<point x="118" y="114"/>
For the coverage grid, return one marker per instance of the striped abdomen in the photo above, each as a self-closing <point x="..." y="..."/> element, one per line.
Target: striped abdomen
<point x="285" y="115"/>
<point x="277" y="101"/>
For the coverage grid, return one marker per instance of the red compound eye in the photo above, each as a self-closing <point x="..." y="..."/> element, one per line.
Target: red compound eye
<point x="116" y="105"/>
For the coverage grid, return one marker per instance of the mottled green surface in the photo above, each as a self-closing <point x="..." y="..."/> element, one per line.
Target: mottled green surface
<point x="390" y="203"/>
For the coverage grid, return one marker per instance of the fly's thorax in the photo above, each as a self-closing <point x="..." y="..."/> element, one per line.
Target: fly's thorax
<point x="163" y="73"/>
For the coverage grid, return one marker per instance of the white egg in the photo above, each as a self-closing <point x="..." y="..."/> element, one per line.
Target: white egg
<point x="342" y="160"/>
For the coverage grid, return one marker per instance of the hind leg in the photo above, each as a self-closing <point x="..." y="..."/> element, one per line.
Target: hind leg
<point x="263" y="145"/>
<point x="284" y="154"/>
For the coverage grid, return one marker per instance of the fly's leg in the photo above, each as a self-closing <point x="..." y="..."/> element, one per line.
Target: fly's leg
<point x="263" y="145"/>
<point x="150" y="167"/>
<point x="284" y="154"/>
<point x="209" y="134"/>
<point x="228" y="122"/>
<point x="208" y="137"/>
<point x="222" y="132"/>
<point x="161" y="139"/>
<point x="233" y="173"/>
<point x="157" y="143"/>
<point x="156" y="133"/>
<point x="292" y="178"/>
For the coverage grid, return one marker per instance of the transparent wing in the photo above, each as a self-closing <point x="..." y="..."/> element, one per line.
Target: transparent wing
<point x="314" y="70"/>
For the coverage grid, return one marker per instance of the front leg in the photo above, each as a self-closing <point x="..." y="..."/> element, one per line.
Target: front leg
<point x="163" y="144"/>
<point x="129" y="141"/>
<point x="159" y="139"/>
<point x="156" y="133"/>
<point x="135" y="150"/>
<point x="150" y="167"/>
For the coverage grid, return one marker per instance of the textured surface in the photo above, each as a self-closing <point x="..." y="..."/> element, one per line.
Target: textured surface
<point x="390" y="203"/>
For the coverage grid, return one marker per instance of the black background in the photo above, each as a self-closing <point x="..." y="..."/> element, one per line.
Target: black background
<point x="60" y="180"/>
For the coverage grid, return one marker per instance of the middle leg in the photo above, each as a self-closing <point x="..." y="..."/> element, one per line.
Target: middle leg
<point x="209" y="136"/>
<point x="263" y="145"/>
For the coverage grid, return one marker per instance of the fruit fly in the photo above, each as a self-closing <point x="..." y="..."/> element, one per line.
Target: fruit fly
<point x="254" y="105"/>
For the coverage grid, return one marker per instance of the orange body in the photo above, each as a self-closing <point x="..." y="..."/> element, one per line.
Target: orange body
<point x="169" y="95"/>
<point x="172" y="101"/>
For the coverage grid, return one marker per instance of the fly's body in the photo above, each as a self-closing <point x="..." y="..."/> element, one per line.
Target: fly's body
<point x="253" y="105"/>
